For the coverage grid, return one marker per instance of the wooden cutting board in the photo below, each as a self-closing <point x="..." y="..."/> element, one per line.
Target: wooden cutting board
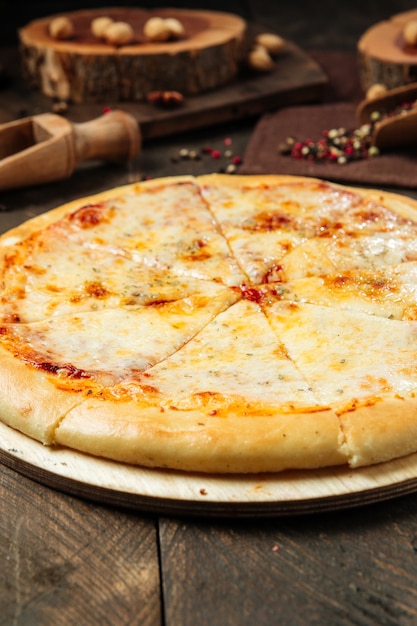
<point x="296" y="79"/>
<point x="384" y="56"/>
<point x="65" y="57"/>
<point x="233" y="95"/>
<point x="172" y="492"/>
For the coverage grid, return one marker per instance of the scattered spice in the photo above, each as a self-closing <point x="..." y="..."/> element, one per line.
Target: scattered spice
<point x="286" y="146"/>
<point x="165" y="99"/>
<point x="60" y="106"/>
<point x="335" y="145"/>
<point x="342" y="146"/>
<point x="230" y="167"/>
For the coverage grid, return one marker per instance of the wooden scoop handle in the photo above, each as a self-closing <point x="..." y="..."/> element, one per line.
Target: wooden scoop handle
<point x="48" y="147"/>
<point x="115" y="136"/>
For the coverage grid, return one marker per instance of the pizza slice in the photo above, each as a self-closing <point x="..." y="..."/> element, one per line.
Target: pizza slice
<point x="30" y="401"/>
<point x="280" y="228"/>
<point x="55" y="279"/>
<point x="321" y="256"/>
<point x="362" y="366"/>
<point x="230" y="400"/>
<point x="259" y="221"/>
<point x="389" y="291"/>
<point x="99" y="248"/>
<point x="105" y="346"/>
<point x="164" y="226"/>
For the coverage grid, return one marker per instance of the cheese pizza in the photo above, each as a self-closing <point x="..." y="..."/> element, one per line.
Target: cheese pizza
<point x="221" y="324"/>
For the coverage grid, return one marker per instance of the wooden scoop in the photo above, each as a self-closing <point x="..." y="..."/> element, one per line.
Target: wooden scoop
<point x="47" y="147"/>
<point x="396" y="131"/>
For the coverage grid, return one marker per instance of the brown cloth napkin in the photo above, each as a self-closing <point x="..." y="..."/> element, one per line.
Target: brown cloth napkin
<point x="397" y="168"/>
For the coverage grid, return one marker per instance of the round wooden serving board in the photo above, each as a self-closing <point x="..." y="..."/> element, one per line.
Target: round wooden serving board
<point x="172" y="492"/>
<point x="87" y="69"/>
<point x="384" y="55"/>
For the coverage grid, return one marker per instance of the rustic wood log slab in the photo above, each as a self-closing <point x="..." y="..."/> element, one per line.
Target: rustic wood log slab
<point x="87" y="69"/>
<point x="384" y="55"/>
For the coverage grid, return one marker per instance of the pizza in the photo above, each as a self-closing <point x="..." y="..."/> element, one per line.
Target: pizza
<point x="220" y="324"/>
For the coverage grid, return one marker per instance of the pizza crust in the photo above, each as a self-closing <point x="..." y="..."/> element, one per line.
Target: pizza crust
<point x="192" y="441"/>
<point x="30" y="401"/>
<point x="381" y="430"/>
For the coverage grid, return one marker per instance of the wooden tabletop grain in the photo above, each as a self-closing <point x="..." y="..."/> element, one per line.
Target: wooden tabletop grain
<point x="68" y="561"/>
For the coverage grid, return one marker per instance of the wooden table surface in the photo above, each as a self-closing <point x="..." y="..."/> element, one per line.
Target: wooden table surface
<point x="66" y="561"/>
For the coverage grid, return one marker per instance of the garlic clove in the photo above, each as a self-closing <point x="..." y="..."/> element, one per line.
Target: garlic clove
<point x="260" y="60"/>
<point x="119" y="33"/>
<point x="273" y="43"/>
<point x="155" y="29"/>
<point x="61" y="28"/>
<point x="99" y="26"/>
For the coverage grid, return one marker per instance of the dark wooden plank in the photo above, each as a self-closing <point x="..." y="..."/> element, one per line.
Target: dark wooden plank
<point x="352" y="568"/>
<point x="296" y="79"/>
<point x="67" y="562"/>
<point x="324" y="24"/>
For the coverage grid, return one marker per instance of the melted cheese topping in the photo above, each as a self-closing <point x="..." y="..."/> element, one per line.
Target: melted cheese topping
<point x="300" y="229"/>
<point x="200" y="294"/>
<point x="348" y="357"/>
<point x="115" y="343"/>
<point x="40" y="286"/>
<point x="390" y="292"/>
<point x="222" y="365"/>
<point x="167" y="227"/>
